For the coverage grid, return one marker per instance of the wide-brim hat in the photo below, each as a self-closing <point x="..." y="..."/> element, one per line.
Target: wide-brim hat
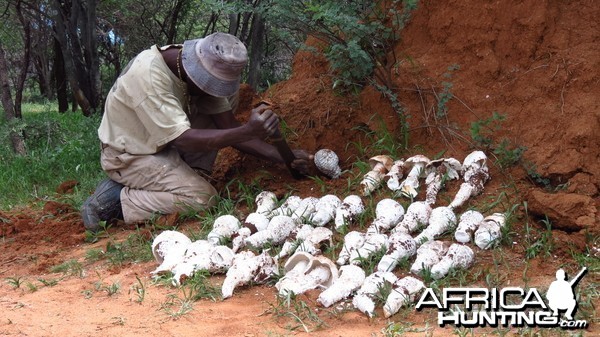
<point x="215" y="63"/>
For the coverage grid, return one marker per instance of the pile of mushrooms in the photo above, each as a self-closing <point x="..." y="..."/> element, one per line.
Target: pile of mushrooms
<point x="294" y="233"/>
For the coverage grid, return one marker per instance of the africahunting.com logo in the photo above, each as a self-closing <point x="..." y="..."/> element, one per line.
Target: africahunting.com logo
<point x="510" y="306"/>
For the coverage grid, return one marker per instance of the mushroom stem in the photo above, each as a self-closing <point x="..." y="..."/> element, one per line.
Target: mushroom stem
<point x="401" y="245"/>
<point x="458" y="256"/>
<point x="467" y="225"/>
<point x="410" y="185"/>
<point x="372" y="179"/>
<point x="364" y="298"/>
<point x="395" y="175"/>
<point x="350" y="279"/>
<point x="490" y="230"/>
<point x="404" y="292"/>
<point x="428" y="254"/>
<point x="441" y="220"/>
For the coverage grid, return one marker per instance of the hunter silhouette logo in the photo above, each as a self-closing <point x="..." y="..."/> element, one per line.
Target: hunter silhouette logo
<point x="510" y="306"/>
<point x="561" y="296"/>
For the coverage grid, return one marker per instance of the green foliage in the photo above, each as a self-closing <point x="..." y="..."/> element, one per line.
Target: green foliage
<point x="70" y="267"/>
<point x="358" y="34"/>
<point x="60" y="147"/>
<point x="538" y="242"/>
<point x="15" y="281"/>
<point x="135" y="248"/>
<point x="483" y="129"/>
<point x="392" y="97"/>
<point x="301" y="313"/>
<point x="199" y="287"/>
<point x="482" y="134"/>
<point x="507" y="154"/>
<point x="446" y="95"/>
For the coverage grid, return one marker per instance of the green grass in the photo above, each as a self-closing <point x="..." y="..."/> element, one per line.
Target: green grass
<point x="60" y="147"/>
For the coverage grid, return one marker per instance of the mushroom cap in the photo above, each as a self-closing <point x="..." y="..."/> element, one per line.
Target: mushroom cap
<point x="475" y="159"/>
<point x="453" y="166"/>
<point x="300" y="260"/>
<point x="322" y="261"/>
<point x="258" y="220"/>
<point x="381" y="159"/>
<point x="265" y="201"/>
<point x="327" y="162"/>
<point x="417" y="159"/>
<point x="498" y="218"/>
<point x="168" y="241"/>
<point x="227" y="221"/>
<point x="396" y="168"/>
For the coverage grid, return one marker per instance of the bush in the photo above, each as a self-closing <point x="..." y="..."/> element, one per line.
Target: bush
<point x="59" y="146"/>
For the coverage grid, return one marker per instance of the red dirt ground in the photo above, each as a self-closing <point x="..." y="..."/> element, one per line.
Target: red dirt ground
<point x="537" y="62"/>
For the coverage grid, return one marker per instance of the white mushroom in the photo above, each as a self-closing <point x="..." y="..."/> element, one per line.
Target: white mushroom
<point x="380" y="165"/>
<point x="292" y="243"/>
<point x="168" y="249"/>
<point x="352" y="241"/>
<point x="239" y="238"/>
<point x="306" y="239"/>
<point x="305" y="210"/>
<point x="311" y="243"/>
<point x="254" y="222"/>
<point x="374" y="242"/>
<point x="305" y="272"/>
<point x="350" y="208"/>
<point x="203" y="255"/>
<point x="430" y="253"/>
<point x="277" y="231"/>
<point x="195" y="258"/>
<point x="247" y="267"/>
<point x="162" y="243"/>
<point x="350" y="279"/>
<point x="221" y="259"/>
<point x="474" y="162"/>
<point x="437" y="171"/>
<point x="266" y="201"/>
<point x="458" y="256"/>
<point x="327" y="162"/>
<point x="441" y="220"/>
<point x="476" y="174"/>
<point x="223" y="228"/>
<point x="410" y="185"/>
<point x="325" y="209"/>
<point x="467" y="224"/>
<point x="287" y="207"/>
<point x="417" y="215"/>
<point x="401" y="245"/>
<point x="404" y="292"/>
<point x="388" y="214"/>
<point x="373" y="285"/>
<point x="490" y="230"/>
<point x="395" y="174"/>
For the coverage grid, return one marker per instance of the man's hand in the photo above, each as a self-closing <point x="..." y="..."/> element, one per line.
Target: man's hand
<point x="304" y="162"/>
<point x="263" y="122"/>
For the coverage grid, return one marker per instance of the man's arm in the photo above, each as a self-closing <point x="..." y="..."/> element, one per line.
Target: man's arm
<point x="229" y="133"/>
<point x="258" y="147"/>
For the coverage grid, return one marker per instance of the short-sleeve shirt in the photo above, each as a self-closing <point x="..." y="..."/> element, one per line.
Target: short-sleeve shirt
<point x="147" y="107"/>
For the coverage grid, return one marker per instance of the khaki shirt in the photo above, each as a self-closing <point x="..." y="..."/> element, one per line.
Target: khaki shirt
<point x="147" y="106"/>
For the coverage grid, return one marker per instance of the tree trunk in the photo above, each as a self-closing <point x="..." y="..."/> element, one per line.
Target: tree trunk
<point x="75" y="31"/>
<point x="16" y="137"/>
<point x="234" y="23"/>
<point x="26" y="60"/>
<point x="60" y="78"/>
<point x="256" y="50"/>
